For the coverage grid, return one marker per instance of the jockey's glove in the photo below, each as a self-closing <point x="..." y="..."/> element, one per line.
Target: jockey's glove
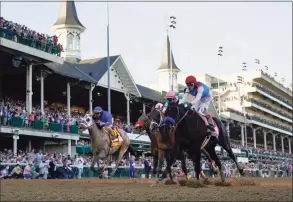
<point x="187" y="105"/>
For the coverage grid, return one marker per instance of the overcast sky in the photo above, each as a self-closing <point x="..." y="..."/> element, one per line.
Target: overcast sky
<point x="138" y="31"/>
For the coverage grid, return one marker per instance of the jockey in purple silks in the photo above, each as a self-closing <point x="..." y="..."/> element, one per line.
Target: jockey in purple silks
<point x="104" y="118"/>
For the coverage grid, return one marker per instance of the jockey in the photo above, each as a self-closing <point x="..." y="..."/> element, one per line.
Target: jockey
<point x="159" y="107"/>
<point x="104" y="118"/>
<point x="157" y="114"/>
<point x="170" y="97"/>
<point x="199" y="97"/>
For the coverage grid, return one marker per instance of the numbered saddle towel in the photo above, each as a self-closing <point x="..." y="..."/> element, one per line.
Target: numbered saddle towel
<point x="114" y="136"/>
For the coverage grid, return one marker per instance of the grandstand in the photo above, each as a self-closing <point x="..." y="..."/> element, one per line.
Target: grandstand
<point x="42" y="83"/>
<point x="40" y="91"/>
<point x="267" y="105"/>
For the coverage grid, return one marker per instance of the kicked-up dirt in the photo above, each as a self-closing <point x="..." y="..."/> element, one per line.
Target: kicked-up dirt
<point x="241" y="189"/>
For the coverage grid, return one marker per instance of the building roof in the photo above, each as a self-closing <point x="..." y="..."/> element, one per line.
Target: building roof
<point x="149" y="93"/>
<point x="68" y="15"/>
<point x="165" y="64"/>
<point x="90" y="70"/>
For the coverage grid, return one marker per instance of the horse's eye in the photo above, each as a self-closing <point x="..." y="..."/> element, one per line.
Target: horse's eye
<point x="88" y="120"/>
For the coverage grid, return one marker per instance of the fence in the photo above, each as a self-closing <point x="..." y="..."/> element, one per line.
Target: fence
<point x="123" y="171"/>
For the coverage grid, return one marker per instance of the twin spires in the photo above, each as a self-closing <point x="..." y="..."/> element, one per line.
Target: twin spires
<point x="68" y="16"/>
<point x="165" y="64"/>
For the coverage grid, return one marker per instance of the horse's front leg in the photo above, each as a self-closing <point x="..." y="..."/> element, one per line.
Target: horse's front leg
<point x="105" y="165"/>
<point x="155" y="163"/>
<point x="161" y="156"/>
<point x="94" y="160"/>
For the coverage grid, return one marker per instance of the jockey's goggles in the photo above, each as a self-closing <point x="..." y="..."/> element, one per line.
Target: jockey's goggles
<point x="190" y="84"/>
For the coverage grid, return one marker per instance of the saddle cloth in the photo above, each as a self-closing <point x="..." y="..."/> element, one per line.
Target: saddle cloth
<point x="213" y="133"/>
<point x="116" y="134"/>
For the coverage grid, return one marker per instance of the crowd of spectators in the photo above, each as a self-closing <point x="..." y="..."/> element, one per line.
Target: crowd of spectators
<point x="52" y="114"/>
<point x="56" y="166"/>
<point x="260" y="151"/>
<point x="22" y="34"/>
<point x="10" y="109"/>
<point x="261" y="119"/>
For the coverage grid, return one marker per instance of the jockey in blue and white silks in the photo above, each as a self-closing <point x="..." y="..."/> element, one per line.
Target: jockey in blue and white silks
<point x="104" y="118"/>
<point x="198" y="96"/>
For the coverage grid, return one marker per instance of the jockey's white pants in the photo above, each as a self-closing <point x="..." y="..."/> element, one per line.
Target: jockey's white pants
<point x="203" y="105"/>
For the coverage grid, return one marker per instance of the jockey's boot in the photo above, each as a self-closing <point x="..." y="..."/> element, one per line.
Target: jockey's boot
<point x="211" y="126"/>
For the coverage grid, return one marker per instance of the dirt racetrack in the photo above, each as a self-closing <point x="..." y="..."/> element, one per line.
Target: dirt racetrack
<point x="268" y="189"/>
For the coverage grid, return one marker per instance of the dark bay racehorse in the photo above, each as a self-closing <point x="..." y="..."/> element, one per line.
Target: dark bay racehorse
<point x="191" y="132"/>
<point x="161" y="143"/>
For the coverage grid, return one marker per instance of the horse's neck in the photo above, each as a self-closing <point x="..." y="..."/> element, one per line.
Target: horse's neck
<point x="95" y="132"/>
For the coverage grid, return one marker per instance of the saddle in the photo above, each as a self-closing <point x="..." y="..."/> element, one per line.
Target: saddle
<point x="206" y="119"/>
<point x="113" y="134"/>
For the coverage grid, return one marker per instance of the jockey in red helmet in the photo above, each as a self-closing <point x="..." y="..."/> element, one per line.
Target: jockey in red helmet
<point x="199" y="96"/>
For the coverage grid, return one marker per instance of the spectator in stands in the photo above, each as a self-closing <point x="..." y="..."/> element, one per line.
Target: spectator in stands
<point x="132" y="167"/>
<point x="35" y="174"/>
<point x="52" y="169"/>
<point x="147" y="167"/>
<point x="67" y="171"/>
<point x="4" y="173"/>
<point x="79" y="164"/>
<point x="16" y="173"/>
<point x="32" y="156"/>
<point x="44" y="166"/>
<point x="27" y="172"/>
<point x="39" y="157"/>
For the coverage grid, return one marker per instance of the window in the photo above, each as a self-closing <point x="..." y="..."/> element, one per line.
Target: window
<point x="77" y="43"/>
<point x="69" y="41"/>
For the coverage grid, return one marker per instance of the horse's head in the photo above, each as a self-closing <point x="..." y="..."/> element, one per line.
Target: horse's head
<point x="85" y="122"/>
<point x="174" y="115"/>
<point x="142" y="123"/>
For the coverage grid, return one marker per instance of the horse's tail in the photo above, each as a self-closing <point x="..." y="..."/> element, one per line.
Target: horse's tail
<point x="223" y="135"/>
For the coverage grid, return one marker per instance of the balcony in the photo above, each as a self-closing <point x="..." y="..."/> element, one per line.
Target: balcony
<point x="268" y="109"/>
<point x="271" y="125"/>
<point x="38" y="128"/>
<point x="258" y="121"/>
<point x="272" y="96"/>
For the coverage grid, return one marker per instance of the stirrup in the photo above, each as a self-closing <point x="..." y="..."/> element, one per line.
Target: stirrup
<point x="211" y="128"/>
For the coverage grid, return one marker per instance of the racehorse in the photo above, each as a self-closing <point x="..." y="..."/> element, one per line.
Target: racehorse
<point x="101" y="143"/>
<point x="161" y="144"/>
<point x="157" y="149"/>
<point x="191" y="133"/>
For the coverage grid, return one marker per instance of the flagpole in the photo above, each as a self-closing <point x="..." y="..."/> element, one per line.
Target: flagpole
<point x="108" y="61"/>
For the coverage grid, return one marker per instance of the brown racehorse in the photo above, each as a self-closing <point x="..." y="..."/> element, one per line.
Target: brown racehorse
<point x="157" y="149"/>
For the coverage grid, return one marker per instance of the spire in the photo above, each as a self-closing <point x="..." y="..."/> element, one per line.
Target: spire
<point x="68" y="16"/>
<point x="166" y="58"/>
